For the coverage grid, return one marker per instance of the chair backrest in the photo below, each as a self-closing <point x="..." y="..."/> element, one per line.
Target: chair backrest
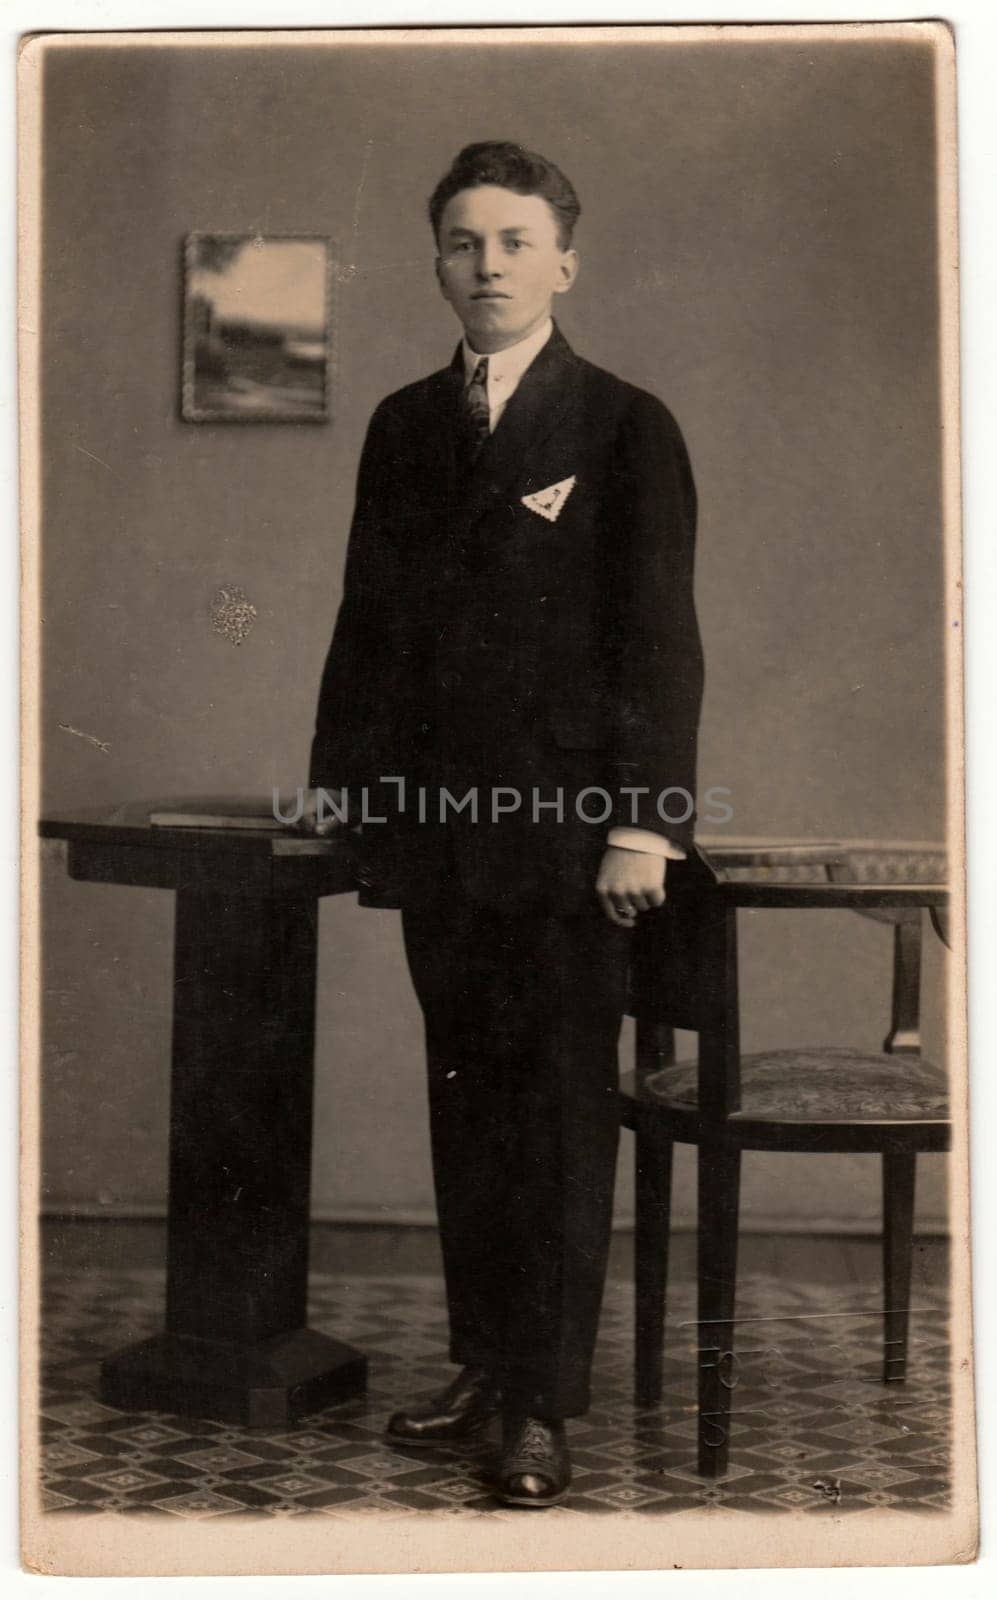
<point x="898" y="863"/>
<point x="684" y="969"/>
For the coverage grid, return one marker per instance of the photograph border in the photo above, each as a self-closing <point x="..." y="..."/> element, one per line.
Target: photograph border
<point x="848" y="1541"/>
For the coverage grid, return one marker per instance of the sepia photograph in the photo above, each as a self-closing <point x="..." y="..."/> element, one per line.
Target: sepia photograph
<point x="496" y="1096"/>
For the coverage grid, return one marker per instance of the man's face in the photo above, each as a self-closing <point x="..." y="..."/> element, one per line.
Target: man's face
<point x="501" y="264"/>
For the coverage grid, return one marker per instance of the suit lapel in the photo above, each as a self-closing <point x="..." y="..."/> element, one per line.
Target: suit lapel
<point x="546" y="399"/>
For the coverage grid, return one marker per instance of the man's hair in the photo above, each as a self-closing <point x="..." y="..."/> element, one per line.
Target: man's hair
<point x="508" y="166"/>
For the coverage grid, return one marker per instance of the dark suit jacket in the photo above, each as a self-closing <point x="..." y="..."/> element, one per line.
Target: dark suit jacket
<point x="479" y="644"/>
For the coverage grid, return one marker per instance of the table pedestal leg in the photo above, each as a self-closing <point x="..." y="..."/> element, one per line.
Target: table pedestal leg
<point x="236" y="1346"/>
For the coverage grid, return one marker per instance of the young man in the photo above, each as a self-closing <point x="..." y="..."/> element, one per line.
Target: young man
<point x="515" y="679"/>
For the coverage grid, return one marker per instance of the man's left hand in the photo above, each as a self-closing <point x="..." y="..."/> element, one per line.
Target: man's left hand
<point x="630" y="881"/>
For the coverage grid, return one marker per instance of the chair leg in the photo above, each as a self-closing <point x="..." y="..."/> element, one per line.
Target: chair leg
<point x="719" y="1183"/>
<point x="653" y="1191"/>
<point x="898" y="1251"/>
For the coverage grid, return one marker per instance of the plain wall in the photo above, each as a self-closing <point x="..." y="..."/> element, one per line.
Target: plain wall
<point x="758" y="248"/>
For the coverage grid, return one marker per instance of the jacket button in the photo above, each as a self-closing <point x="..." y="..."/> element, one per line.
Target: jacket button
<point x="451" y="680"/>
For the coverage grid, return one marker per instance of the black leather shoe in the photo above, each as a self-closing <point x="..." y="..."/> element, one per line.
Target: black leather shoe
<point x="460" y="1410"/>
<point x="536" y="1468"/>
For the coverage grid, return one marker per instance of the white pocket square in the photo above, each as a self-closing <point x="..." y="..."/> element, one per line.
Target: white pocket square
<point x="549" y="503"/>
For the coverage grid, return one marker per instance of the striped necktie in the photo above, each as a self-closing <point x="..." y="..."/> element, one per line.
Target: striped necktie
<point x="477" y="408"/>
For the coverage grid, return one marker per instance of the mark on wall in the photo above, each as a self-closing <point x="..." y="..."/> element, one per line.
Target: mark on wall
<point x="89" y="737"/>
<point x="100" y="462"/>
<point x="233" y="614"/>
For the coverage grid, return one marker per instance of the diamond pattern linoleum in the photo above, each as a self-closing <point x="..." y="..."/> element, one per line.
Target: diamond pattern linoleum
<point x="813" y="1427"/>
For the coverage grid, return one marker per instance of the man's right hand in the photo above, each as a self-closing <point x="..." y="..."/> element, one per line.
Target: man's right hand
<point x="310" y="817"/>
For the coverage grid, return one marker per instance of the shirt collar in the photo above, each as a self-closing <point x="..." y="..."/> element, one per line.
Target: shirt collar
<point x="506" y="367"/>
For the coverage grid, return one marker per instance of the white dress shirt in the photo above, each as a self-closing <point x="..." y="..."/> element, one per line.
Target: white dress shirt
<point x="505" y="368"/>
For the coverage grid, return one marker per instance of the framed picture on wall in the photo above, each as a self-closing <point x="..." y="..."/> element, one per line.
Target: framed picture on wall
<point x="257" y="328"/>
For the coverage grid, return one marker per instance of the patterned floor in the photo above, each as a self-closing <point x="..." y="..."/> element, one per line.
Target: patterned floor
<point x="814" y="1429"/>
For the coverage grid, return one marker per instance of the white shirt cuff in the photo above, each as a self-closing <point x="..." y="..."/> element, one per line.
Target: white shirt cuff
<point x="651" y="844"/>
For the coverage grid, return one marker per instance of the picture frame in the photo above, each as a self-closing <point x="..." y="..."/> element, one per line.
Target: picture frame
<point x="257" y="327"/>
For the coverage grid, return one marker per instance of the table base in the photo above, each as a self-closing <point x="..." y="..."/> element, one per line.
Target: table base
<point x="265" y="1385"/>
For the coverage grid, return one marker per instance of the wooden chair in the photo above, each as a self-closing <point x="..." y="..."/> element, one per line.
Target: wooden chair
<point x="811" y="1099"/>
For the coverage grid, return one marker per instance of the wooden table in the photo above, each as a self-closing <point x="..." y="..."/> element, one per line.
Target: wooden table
<point x="235" y="1344"/>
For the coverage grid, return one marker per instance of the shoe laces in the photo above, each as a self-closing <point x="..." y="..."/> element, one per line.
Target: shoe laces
<point x="533" y="1440"/>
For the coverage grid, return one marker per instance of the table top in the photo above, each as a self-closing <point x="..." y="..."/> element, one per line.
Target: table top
<point x="121" y="846"/>
<point x="128" y="824"/>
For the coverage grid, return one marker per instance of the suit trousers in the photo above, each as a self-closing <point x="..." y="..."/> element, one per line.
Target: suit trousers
<point x="522" y="1015"/>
